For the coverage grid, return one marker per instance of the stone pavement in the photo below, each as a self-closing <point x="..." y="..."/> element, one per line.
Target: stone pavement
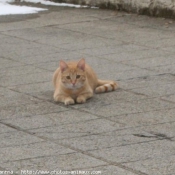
<point x="127" y="132"/>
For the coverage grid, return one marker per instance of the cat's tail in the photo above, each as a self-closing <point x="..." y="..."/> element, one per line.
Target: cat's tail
<point x="105" y="86"/>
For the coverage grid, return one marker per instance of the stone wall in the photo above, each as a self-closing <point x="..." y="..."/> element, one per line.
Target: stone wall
<point x="163" y="8"/>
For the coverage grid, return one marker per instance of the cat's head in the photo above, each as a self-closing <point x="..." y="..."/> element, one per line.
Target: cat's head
<point x="73" y="76"/>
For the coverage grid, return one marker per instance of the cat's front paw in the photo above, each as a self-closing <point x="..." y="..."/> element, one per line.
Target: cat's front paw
<point x="69" y="101"/>
<point x="80" y="99"/>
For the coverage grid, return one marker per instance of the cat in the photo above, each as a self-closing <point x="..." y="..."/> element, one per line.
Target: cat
<point x="77" y="82"/>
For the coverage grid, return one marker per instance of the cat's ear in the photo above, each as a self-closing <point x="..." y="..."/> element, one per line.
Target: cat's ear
<point x="81" y="64"/>
<point x="63" y="66"/>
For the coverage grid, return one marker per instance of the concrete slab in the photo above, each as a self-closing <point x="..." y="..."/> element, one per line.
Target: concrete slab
<point x="31" y="150"/>
<point x="76" y="129"/>
<point x="72" y="161"/>
<point x="26" y="79"/>
<point x="29" y="109"/>
<point x="119" y="138"/>
<point x="136" y="152"/>
<point x="129" y="131"/>
<point x="157" y="166"/>
<point x="14" y="138"/>
<point x="50" y="120"/>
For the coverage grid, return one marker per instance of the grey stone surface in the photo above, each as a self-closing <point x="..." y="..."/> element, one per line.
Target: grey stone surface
<point x="114" y="139"/>
<point x="163" y="165"/>
<point x="128" y="107"/>
<point x="146" y="118"/>
<point x="126" y="132"/>
<point x="58" y="162"/>
<point x="14" y="138"/>
<point x="50" y="120"/>
<point x="26" y="110"/>
<point x="32" y="150"/>
<point x="136" y="152"/>
<point x="78" y="129"/>
<point x="157" y="90"/>
<point x="13" y="98"/>
<point x="25" y="79"/>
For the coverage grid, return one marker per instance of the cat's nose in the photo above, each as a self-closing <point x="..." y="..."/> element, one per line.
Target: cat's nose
<point x="73" y="83"/>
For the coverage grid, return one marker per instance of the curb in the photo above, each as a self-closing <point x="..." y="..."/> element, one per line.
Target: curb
<point x="159" y="8"/>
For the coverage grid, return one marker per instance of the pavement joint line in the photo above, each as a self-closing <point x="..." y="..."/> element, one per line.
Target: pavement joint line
<point x="79" y="109"/>
<point x="145" y="77"/>
<point x="136" y="66"/>
<point x="78" y="150"/>
<point x="171" y="54"/>
<point x="87" y="154"/>
<point x="137" y="103"/>
<point x="157" y="136"/>
<point x="101" y="133"/>
<point x="39" y="157"/>
<point x="24" y="84"/>
<point x="130" y="42"/>
<point x="17" y="145"/>
<point x="148" y="26"/>
<point x="152" y="97"/>
<point x="34" y="41"/>
<point x="99" y="117"/>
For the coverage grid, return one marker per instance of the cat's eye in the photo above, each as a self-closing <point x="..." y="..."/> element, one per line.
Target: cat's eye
<point x="68" y="77"/>
<point x="78" y="76"/>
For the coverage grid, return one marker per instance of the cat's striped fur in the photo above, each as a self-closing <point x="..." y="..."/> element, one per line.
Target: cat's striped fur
<point x="76" y="82"/>
<point x="105" y="86"/>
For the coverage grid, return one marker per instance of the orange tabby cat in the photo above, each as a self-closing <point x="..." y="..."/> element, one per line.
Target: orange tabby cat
<point x="76" y="81"/>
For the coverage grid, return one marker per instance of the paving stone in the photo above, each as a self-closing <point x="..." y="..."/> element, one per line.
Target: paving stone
<point x="26" y="79"/>
<point x="52" y="119"/>
<point x="118" y="138"/>
<point x="145" y="118"/>
<point x="130" y="107"/>
<point x="94" y="27"/>
<point x="12" y="98"/>
<point x="129" y="131"/>
<point x="128" y="74"/>
<point x="29" y="110"/>
<point x="16" y="26"/>
<point x="163" y="43"/>
<point x="34" y="87"/>
<point x="20" y="70"/>
<point x="158" y="166"/>
<point x="110" y="98"/>
<point x="78" y="129"/>
<point x="52" y="58"/>
<point x="169" y="49"/>
<point x="5" y="129"/>
<point x="13" y="43"/>
<point x="57" y="163"/>
<point x="165" y="68"/>
<point x="91" y="42"/>
<point x="10" y="64"/>
<point x="134" y="55"/>
<point x="169" y="98"/>
<point x="61" y="18"/>
<point x="112" y="49"/>
<point x="150" y="63"/>
<point x="14" y="138"/>
<point x="32" y="150"/>
<point x="147" y="81"/>
<point x="163" y="130"/>
<point x="156" y="90"/>
<point x="136" y="152"/>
